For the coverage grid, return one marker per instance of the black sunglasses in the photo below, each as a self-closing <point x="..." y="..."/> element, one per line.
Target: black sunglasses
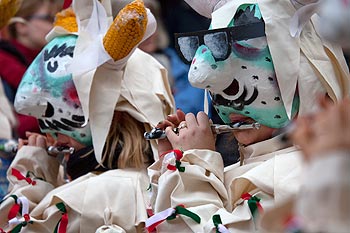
<point x="48" y="17"/>
<point x="187" y="44"/>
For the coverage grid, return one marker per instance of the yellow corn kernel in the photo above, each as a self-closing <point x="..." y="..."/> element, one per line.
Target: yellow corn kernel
<point x="8" y="8"/>
<point x="66" y="19"/>
<point x="126" y="31"/>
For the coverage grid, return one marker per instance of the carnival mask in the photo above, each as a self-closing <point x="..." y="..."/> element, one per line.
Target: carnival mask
<point x="47" y="92"/>
<point x="235" y="65"/>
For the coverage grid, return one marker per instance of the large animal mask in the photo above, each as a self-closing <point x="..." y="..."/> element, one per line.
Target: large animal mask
<point x="47" y="92"/>
<point x="302" y="67"/>
<point x="236" y="66"/>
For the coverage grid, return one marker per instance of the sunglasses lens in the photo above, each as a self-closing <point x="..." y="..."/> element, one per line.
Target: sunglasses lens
<point x="218" y="44"/>
<point x="47" y="18"/>
<point x="188" y="47"/>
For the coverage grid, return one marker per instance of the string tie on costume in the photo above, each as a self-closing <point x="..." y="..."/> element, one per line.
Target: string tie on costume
<point x="178" y="156"/>
<point x="169" y="214"/>
<point x="20" y="176"/>
<point x="23" y="221"/>
<point x="62" y="224"/>
<point x="14" y="209"/>
<point x="253" y="203"/>
<point x="220" y="228"/>
<point x="149" y="209"/>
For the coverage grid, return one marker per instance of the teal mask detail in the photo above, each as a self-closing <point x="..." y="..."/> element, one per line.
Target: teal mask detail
<point x="47" y="92"/>
<point x="245" y="81"/>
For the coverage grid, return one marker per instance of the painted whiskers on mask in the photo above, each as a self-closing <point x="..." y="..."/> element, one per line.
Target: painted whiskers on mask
<point x="75" y="121"/>
<point x="237" y="104"/>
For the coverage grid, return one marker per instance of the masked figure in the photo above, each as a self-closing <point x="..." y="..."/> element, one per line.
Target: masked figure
<point x="47" y="84"/>
<point x="254" y="70"/>
<point x="87" y="90"/>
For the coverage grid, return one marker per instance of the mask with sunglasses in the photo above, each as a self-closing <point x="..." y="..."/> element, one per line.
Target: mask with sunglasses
<point x="235" y="65"/>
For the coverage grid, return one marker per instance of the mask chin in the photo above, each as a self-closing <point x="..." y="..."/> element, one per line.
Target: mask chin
<point x="273" y="117"/>
<point x="81" y="135"/>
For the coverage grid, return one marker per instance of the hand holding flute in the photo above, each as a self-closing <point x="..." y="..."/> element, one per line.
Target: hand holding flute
<point x="35" y="139"/>
<point x="157" y="133"/>
<point x="194" y="132"/>
<point x="180" y="131"/>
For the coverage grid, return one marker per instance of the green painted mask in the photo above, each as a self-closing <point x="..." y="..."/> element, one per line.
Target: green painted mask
<point x="235" y="65"/>
<point x="47" y="92"/>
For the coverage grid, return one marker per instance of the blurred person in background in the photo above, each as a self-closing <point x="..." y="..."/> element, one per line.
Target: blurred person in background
<point x="323" y="203"/>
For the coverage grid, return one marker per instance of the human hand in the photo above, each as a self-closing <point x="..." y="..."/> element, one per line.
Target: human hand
<point x="34" y="139"/>
<point x="172" y="121"/>
<point x="328" y="130"/>
<point x="196" y="133"/>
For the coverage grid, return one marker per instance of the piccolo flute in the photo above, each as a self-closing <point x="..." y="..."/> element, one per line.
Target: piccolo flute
<point x="11" y="146"/>
<point x="157" y="133"/>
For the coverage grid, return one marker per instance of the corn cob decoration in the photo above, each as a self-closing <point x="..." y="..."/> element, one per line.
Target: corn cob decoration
<point x="126" y="31"/>
<point x="8" y="8"/>
<point x="66" y="19"/>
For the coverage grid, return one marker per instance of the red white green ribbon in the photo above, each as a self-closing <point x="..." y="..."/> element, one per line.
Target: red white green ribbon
<point x="61" y="226"/>
<point x="178" y="156"/>
<point x="14" y="209"/>
<point x="149" y="209"/>
<point x="169" y="214"/>
<point x="220" y="228"/>
<point x="253" y="203"/>
<point x="20" y="176"/>
<point x="24" y="220"/>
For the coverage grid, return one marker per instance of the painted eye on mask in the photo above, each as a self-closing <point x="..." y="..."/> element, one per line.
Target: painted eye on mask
<point x="218" y="41"/>
<point x="56" y="59"/>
